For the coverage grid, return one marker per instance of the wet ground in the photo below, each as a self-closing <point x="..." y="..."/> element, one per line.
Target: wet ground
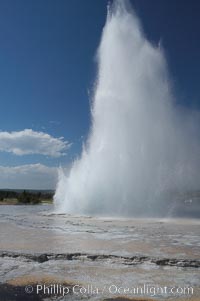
<point x="96" y="258"/>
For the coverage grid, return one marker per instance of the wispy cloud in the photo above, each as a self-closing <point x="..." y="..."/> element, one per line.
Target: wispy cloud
<point x="30" y="176"/>
<point x="54" y="122"/>
<point x="31" y="142"/>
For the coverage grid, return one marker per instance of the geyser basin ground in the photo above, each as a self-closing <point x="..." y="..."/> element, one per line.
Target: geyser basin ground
<point x="37" y="244"/>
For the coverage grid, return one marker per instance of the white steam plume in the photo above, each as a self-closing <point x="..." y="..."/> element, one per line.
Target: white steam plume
<point x="141" y="147"/>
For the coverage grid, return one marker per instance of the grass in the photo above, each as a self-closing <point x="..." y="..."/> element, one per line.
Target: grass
<point x="15" y="201"/>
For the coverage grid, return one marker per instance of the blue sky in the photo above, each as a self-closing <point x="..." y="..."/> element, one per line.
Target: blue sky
<point x="47" y="71"/>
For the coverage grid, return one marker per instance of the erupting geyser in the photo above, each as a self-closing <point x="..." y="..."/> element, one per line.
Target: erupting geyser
<point x="140" y="147"/>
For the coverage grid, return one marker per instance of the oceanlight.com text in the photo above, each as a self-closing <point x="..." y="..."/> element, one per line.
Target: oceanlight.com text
<point x="112" y="289"/>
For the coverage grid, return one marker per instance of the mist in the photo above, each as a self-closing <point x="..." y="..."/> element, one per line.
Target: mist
<point x="142" y="147"/>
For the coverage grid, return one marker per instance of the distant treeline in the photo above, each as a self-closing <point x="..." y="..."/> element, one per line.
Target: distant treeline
<point x="26" y="196"/>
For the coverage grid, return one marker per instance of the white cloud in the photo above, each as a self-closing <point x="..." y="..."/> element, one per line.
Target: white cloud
<point x="30" y="176"/>
<point x="31" y="142"/>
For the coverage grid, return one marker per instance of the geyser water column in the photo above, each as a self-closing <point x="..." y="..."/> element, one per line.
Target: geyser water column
<point x="136" y="152"/>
